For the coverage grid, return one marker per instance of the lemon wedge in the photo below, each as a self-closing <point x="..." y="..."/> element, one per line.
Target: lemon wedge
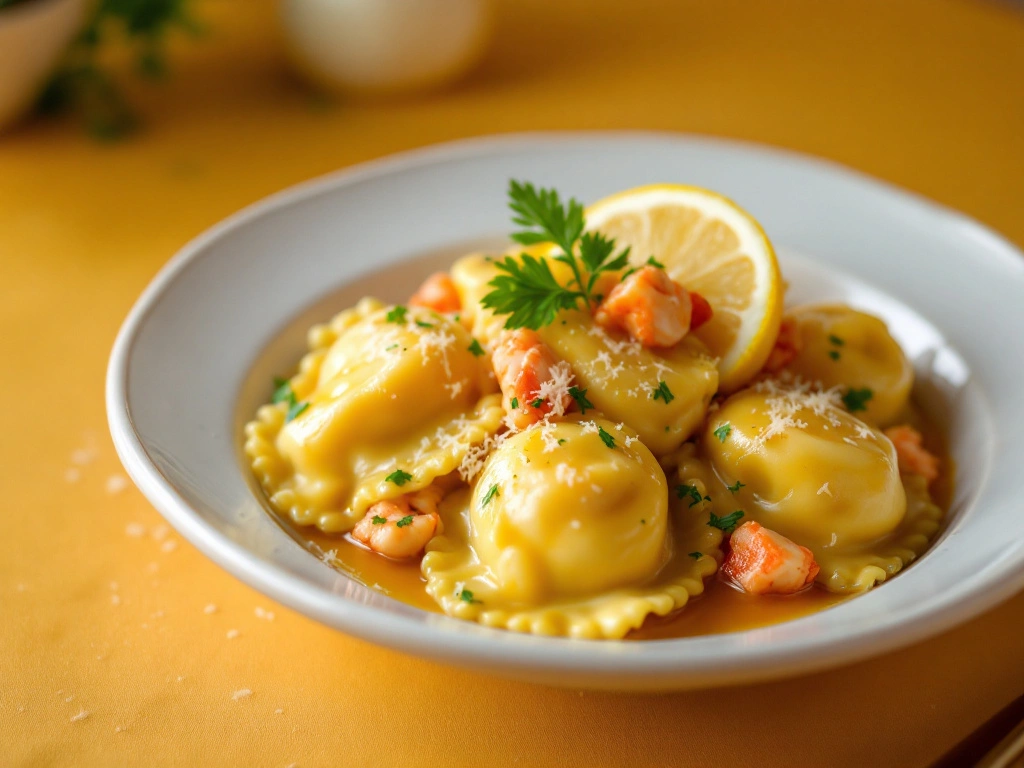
<point x="711" y="246"/>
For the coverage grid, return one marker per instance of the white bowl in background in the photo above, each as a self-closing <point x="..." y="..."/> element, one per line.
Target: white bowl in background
<point x="196" y="354"/>
<point x="33" y="35"/>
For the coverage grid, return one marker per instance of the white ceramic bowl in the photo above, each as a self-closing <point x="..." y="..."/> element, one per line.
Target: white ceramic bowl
<point x="196" y="355"/>
<point x="33" y="35"/>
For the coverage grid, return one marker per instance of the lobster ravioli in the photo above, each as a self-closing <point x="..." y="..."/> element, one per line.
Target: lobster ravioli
<point x="841" y="346"/>
<point x="567" y="532"/>
<point x="387" y="400"/>
<point x="662" y="394"/>
<point x="791" y="458"/>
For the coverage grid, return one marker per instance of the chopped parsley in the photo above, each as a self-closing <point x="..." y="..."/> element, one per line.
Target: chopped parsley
<point x="491" y="493"/>
<point x="836" y="340"/>
<point x="690" y="491"/>
<point x="642" y="521"/>
<point x="396" y="314"/>
<point x="696" y="555"/>
<point x="399" y="477"/>
<point x="393" y="346"/>
<point x="857" y="399"/>
<point x="467" y="597"/>
<point x="580" y="396"/>
<point x="736" y="486"/>
<point x="834" y="354"/>
<point x="514" y="403"/>
<point x="662" y="393"/>
<point x="562" y="441"/>
<point x="407" y="520"/>
<point x="295" y="410"/>
<point x="727" y="523"/>
<point x="723" y="432"/>
<point x="476" y="349"/>
<point x="282" y="392"/>
<point x="378" y="520"/>
<point x="424" y="324"/>
<point x="605" y="437"/>
<point x="653" y="262"/>
<point x="538" y="402"/>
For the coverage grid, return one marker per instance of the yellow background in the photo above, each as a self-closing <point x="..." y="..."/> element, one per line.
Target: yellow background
<point x="925" y="93"/>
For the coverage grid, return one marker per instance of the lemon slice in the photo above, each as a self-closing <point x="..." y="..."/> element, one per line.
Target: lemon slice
<point x="710" y="245"/>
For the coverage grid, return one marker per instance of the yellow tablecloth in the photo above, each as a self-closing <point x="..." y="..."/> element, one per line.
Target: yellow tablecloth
<point x="110" y="651"/>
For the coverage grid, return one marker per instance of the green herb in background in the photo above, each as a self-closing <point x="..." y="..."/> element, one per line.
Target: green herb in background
<point x="81" y="84"/>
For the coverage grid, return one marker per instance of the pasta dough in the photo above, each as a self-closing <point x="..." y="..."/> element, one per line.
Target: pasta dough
<point x="383" y="395"/>
<point x="793" y="460"/>
<point x="663" y="395"/>
<point x="565" y="534"/>
<point x="847" y="348"/>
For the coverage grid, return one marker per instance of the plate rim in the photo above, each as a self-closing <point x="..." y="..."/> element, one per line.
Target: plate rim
<point x="533" y="658"/>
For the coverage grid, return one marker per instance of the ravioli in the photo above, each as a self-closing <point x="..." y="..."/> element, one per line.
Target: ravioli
<point x="841" y="346"/>
<point x="662" y="394"/>
<point x="567" y="532"/>
<point x="471" y="275"/>
<point x="387" y="392"/>
<point x="791" y="458"/>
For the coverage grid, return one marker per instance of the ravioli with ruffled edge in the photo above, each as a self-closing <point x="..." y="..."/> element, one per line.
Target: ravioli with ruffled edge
<point x="568" y="531"/>
<point x="391" y="399"/>
<point x="789" y="456"/>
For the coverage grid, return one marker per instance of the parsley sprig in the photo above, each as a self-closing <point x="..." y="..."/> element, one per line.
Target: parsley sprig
<point x="528" y="291"/>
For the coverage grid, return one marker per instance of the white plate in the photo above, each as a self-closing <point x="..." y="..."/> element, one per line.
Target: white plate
<point x="197" y="353"/>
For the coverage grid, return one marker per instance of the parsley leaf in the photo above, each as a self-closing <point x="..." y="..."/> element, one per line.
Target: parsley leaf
<point x="491" y="493"/>
<point x="378" y="520"/>
<point x="467" y="597"/>
<point x="423" y="324"/>
<point x="527" y="291"/>
<point x="662" y="393"/>
<point x="833" y="354"/>
<point x="295" y="410"/>
<point x="396" y="314"/>
<point x="399" y="477"/>
<point x="537" y="403"/>
<point x="514" y="403"/>
<point x="476" y="349"/>
<point x="282" y="392"/>
<point x="682" y="491"/>
<point x="696" y="555"/>
<point x="605" y="437"/>
<point x="723" y="431"/>
<point x="580" y="396"/>
<point x="407" y="520"/>
<point x="736" y="486"/>
<point x="857" y="399"/>
<point x="727" y="523"/>
<point x="653" y="262"/>
<point x="836" y="340"/>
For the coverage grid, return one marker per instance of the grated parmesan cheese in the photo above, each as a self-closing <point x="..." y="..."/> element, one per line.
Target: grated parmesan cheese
<point x="241" y="693"/>
<point x="556" y="389"/>
<point x="567" y="474"/>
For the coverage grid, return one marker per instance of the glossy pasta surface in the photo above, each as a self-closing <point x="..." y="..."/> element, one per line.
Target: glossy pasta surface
<point x="579" y="479"/>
